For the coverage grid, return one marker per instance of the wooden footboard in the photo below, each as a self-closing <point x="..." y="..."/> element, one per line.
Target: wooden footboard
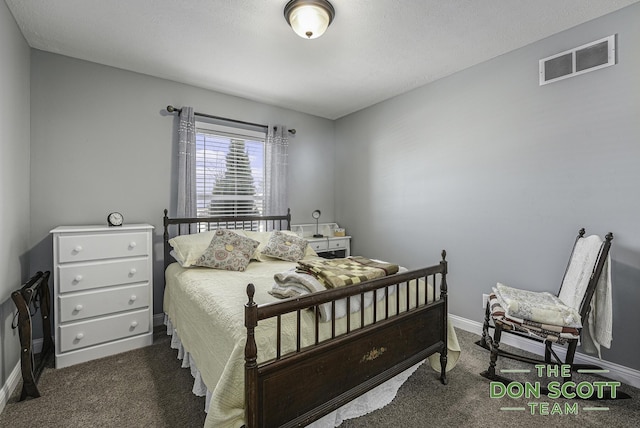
<point x="299" y="387"/>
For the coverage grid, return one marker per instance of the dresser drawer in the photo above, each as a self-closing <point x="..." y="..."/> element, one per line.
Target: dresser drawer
<point x="338" y="244"/>
<point x="92" y="332"/>
<point x="74" y="248"/>
<point x="319" y="245"/>
<point x="84" y="276"/>
<point x="77" y="306"/>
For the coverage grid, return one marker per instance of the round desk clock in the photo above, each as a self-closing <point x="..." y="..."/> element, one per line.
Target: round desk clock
<point x="115" y="219"/>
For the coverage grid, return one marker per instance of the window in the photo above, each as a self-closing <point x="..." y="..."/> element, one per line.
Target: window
<point x="230" y="171"/>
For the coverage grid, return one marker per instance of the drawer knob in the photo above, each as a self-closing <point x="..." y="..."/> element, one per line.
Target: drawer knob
<point x="78" y="278"/>
<point x="133" y="298"/>
<point x="78" y="248"/>
<point x="133" y="271"/>
<point x="132" y="244"/>
<point x="79" y="308"/>
<point x="79" y="336"/>
<point x="134" y="324"/>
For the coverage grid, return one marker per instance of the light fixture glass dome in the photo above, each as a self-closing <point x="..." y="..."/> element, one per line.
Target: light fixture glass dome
<point x="309" y="18"/>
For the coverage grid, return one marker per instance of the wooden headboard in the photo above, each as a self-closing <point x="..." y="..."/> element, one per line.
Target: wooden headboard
<point x="186" y="226"/>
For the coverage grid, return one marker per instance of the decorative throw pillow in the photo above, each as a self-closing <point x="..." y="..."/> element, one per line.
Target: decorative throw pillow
<point x="187" y="249"/>
<point x="228" y="251"/>
<point x="285" y="247"/>
<point x="264" y="237"/>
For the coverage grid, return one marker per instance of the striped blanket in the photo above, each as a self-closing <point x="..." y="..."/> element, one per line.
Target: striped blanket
<point x="333" y="273"/>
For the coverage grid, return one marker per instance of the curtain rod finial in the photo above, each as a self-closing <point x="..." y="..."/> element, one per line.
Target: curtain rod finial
<point x="170" y="109"/>
<point x="292" y="131"/>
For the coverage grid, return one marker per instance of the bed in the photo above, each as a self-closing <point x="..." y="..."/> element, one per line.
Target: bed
<point x="265" y="361"/>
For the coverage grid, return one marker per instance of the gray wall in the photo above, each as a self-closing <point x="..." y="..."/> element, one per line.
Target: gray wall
<point x="503" y="172"/>
<point x="102" y="141"/>
<point x="14" y="181"/>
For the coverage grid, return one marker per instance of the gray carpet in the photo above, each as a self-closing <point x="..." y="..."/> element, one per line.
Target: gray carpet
<point x="147" y="388"/>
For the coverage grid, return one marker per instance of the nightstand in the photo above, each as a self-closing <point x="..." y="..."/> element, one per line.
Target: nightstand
<point x="327" y="246"/>
<point x="331" y="247"/>
<point x="103" y="291"/>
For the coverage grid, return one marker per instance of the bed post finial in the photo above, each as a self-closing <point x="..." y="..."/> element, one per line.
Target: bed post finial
<point x="251" y="291"/>
<point x="250" y="360"/>
<point x="581" y="233"/>
<point x="444" y="298"/>
<point x="443" y="262"/>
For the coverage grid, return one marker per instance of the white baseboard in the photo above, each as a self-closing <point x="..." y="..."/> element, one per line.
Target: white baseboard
<point x="15" y="377"/>
<point x="616" y="371"/>
<point x="10" y="385"/>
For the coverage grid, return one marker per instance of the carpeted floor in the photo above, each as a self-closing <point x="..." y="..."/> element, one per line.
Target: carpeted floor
<point x="147" y="388"/>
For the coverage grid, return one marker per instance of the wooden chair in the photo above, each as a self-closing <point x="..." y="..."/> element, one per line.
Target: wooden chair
<point x="578" y="287"/>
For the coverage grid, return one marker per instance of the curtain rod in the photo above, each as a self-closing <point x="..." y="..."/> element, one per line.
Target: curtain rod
<point x="172" y="109"/>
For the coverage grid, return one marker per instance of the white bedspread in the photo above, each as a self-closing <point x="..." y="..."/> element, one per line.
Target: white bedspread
<point x="206" y="308"/>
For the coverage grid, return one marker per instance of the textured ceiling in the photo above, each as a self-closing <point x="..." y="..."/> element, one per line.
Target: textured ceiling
<point x="374" y="50"/>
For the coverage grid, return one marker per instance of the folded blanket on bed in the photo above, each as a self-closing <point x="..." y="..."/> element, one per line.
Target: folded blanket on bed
<point x="292" y="283"/>
<point x="341" y="272"/>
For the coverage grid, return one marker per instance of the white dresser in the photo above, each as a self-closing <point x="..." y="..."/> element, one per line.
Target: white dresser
<point x="103" y="291"/>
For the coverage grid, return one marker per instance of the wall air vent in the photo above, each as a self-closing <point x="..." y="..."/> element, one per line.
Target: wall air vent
<point x="580" y="60"/>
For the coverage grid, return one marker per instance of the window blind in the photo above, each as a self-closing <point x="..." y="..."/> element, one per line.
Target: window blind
<point x="230" y="171"/>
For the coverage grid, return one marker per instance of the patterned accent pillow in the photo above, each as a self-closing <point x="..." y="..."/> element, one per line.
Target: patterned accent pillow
<point x="264" y="237"/>
<point x="228" y="251"/>
<point x="285" y="247"/>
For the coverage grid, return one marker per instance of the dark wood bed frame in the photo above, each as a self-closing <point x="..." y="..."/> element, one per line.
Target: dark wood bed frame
<point x="299" y="387"/>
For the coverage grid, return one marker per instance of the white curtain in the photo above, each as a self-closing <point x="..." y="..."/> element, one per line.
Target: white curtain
<point x="186" y="164"/>
<point x="276" y="186"/>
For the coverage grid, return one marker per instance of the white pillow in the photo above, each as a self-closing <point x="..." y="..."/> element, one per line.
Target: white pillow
<point x="187" y="249"/>
<point x="173" y="254"/>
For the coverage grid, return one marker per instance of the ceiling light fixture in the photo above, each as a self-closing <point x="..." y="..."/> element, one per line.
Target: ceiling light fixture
<point x="309" y="18"/>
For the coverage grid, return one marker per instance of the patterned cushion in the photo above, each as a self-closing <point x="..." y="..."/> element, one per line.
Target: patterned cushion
<point x="540" y="307"/>
<point x="285" y="247"/>
<point x="228" y="251"/>
<point x="552" y="333"/>
<point x="264" y="237"/>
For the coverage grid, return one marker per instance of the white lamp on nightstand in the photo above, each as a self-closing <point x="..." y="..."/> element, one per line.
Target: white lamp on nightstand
<point x="316" y="215"/>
